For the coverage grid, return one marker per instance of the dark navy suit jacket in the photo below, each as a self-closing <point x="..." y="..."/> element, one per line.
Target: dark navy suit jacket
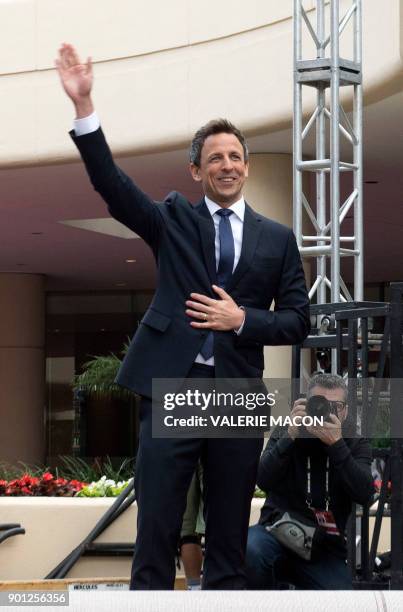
<point x="181" y="237"/>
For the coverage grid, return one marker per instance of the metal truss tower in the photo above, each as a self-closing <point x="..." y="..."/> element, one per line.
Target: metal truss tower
<point x="327" y="73"/>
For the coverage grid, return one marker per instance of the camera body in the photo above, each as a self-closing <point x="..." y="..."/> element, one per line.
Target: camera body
<point x="319" y="406"/>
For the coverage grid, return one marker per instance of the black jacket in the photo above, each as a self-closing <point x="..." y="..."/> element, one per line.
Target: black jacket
<point x="283" y="476"/>
<point x="181" y="237"/>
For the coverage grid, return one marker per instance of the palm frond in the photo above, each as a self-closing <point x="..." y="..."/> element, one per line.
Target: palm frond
<point x="98" y="376"/>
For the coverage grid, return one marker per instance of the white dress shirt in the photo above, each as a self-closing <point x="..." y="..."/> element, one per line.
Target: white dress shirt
<point x="89" y="124"/>
<point x="236" y="220"/>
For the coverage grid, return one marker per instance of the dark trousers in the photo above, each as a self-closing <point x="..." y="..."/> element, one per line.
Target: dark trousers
<point x="164" y="469"/>
<point x="269" y="563"/>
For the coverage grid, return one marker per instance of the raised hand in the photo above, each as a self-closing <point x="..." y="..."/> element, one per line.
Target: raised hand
<point x="76" y="78"/>
<point x="298" y="410"/>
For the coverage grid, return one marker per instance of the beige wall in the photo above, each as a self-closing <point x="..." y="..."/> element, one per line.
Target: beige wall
<point x="163" y="68"/>
<point x="22" y="364"/>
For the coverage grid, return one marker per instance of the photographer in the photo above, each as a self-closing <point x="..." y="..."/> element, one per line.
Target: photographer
<point x="311" y="476"/>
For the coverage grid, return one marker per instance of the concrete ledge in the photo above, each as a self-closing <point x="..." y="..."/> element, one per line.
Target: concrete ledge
<point x="56" y="525"/>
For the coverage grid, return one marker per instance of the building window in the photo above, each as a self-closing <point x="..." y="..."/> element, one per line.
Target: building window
<point x="80" y="326"/>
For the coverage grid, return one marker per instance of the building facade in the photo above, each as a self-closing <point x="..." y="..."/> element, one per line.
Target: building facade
<point x="74" y="283"/>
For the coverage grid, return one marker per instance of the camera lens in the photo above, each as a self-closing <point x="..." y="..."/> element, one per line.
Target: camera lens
<point x="318" y="406"/>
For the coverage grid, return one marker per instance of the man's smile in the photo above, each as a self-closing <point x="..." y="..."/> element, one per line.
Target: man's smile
<point x="228" y="179"/>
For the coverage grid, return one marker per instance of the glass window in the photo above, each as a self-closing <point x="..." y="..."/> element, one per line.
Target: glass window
<point x="80" y="326"/>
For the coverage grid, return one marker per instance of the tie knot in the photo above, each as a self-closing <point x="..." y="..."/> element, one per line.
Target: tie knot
<point x="224" y="212"/>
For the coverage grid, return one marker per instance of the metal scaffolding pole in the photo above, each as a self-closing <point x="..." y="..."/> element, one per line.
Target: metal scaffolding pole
<point x="330" y="121"/>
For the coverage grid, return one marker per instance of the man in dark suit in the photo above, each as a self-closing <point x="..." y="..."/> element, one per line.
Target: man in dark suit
<point x="220" y="266"/>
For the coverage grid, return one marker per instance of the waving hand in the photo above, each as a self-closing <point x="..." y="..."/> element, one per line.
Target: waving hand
<point x="76" y="78"/>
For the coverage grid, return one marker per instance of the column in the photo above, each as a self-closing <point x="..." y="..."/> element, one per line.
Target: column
<point x="22" y="368"/>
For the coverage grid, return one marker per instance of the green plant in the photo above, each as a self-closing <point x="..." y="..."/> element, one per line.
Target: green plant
<point x="11" y="472"/>
<point x="79" y="468"/>
<point x="73" y="468"/>
<point x="380" y="442"/>
<point x="380" y="433"/>
<point x="104" y="487"/>
<point x="98" y="376"/>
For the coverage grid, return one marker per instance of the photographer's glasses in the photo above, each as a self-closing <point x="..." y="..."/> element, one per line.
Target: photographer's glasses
<point x="337" y="406"/>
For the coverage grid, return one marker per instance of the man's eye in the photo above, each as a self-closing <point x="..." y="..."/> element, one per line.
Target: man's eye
<point x="338" y="405"/>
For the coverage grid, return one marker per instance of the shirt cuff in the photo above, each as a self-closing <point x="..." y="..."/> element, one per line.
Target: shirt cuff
<point x="239" y="330"/>
<point x="86" y="125"/>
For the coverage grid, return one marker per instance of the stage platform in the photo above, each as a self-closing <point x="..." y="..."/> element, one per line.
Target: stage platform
<point x="104" y="595"/>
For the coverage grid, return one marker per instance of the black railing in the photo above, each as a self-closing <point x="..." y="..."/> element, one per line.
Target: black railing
<point x="8" y="530"/>
<point x="343" y="331"/>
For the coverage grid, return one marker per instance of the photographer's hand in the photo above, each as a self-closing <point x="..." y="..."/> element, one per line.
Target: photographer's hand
<point x="330" y="433"/>
<point x="297" y="410"/>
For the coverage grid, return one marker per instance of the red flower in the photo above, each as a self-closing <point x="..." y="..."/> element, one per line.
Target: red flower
<point x="47" y="485"/>
<point x="60" y="481"/>
<point x="28" y="481"/>
<point x="77" y="485"/>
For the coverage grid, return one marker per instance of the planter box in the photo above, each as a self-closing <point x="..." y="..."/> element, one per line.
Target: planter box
<point x="56" y="525"/>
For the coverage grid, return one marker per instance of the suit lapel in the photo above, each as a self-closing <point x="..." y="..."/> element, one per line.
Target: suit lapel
<point x="251" y="231"/>
<point x="207" y="237"/>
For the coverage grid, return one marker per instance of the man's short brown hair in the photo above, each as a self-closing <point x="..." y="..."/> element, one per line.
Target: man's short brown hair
<point x="215" y="126"/>
<point x="327" y="381"/>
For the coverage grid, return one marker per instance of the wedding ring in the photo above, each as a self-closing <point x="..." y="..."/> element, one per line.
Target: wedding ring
<point x="205" y="316"/>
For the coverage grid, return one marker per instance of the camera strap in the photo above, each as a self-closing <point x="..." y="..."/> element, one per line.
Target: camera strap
<point x="308" y="484"/>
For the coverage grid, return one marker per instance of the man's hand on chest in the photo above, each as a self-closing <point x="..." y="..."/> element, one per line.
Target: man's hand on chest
<point x="222" y="314"/>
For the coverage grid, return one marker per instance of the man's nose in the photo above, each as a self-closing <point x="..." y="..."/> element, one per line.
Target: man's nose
<point x="227" y="163"/>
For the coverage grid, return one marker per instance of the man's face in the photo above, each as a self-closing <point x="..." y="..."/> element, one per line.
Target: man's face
<point x="333" y="395"/>
<point x="222" y="170"/>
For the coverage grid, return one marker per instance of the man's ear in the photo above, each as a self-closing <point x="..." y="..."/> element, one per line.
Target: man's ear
<point x="195" y="172"/>
<point x="246" y="169"/>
